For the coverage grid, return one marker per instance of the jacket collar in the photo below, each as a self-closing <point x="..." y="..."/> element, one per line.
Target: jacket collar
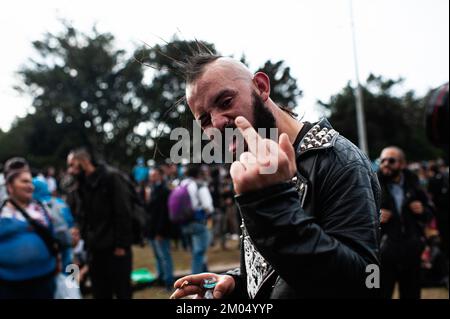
<point x="320" y="136"/>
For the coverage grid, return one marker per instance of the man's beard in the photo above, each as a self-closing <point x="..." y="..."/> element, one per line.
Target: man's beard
<point x="392" y="175"/>
<point x="81" y="176"/>
<point x="262" y="119"/>
<point x="262" y="116"/>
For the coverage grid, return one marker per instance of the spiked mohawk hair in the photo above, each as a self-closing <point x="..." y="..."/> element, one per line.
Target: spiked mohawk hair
<point x="195" y="65"/>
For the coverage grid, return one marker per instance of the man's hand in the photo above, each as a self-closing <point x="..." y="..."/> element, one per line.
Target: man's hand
<point x="385" y="215"/>
<point x="119" y="252"/>
<point x="266" y="163"/>
<point x="416" y="207"/>
<point x="192" y="285"/>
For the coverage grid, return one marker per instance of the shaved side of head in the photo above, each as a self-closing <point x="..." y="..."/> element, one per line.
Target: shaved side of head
<point x="235" y="69"/>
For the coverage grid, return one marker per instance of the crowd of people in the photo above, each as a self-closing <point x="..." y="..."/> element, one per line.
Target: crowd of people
<point x="85" y="217"/>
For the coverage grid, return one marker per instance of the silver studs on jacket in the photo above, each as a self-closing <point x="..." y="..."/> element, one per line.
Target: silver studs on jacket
<point x="317" y="137"/>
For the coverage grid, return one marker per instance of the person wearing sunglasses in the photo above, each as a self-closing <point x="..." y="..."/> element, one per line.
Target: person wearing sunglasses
<point x="27" y="258"/>
<point x="405" y="209"/>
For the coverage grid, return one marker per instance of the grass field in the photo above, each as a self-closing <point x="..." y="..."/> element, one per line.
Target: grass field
<point x="143" y="257"/>
<point x="218" y="260"/>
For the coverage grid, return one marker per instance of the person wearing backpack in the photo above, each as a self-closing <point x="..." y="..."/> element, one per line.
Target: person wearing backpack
<point x="107" y="208"/>
<point x="198" y="206"/>
<point x="28" y="260"/>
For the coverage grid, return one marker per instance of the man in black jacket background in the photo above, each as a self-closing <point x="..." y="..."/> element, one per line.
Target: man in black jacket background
<point x="405" y="209"/>
<point x="106" y="224"/>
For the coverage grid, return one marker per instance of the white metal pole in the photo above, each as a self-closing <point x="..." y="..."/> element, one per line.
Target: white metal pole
<point x="360" y="121"/>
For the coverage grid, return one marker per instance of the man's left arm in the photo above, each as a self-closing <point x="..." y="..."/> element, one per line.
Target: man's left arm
<point x="330" y="249"/>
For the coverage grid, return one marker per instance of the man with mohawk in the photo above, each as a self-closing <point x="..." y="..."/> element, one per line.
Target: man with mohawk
<point x="310" y="227"/>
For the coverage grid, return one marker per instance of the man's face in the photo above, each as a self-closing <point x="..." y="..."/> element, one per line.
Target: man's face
<point x="391" y="163"/>
<point x="172" y="170"/>
<point x="222" y="93"/>
<point x="51" y="171"/>
<point x="155" y="176"/>
<point x="75" y="236"/>
<point x="74" y="167"/>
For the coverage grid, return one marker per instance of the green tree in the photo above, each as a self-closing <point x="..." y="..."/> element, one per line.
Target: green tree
<point x="12" y="142"/>
<point x="390" y="119"/>
<point x="85" y="91"/>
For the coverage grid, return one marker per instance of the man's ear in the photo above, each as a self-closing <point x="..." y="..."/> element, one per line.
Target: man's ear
<point x="262" y="83"/>
<point x="83" y="163"/>
<point x="9" y="189"/>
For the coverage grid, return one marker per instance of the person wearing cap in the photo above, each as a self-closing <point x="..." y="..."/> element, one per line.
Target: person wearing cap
<point x="27" y="265"/>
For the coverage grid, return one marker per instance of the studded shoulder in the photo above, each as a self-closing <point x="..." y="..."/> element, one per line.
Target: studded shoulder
<point x="320" y="136"/>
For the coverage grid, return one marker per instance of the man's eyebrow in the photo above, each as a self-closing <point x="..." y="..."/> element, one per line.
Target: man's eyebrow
<point x="222" y="93"/>
<point x="217" y="98"/>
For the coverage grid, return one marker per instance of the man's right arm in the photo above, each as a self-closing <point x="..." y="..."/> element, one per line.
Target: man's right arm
<point x="239" y="291"/>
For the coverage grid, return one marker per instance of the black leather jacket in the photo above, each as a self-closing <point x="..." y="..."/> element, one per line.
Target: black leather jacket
<point x="312" y="237"/>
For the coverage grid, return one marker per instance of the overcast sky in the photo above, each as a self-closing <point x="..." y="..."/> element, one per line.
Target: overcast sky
<point x="395" y="38"/>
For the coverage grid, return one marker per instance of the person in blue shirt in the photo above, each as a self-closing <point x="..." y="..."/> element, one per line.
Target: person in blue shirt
<point x="27" y="264"/>
<point x="140" y="171"/>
